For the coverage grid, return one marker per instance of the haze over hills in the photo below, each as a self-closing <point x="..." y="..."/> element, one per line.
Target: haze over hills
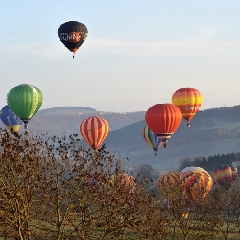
<point x="212" y="131"/>
<point x="67" y="119"/>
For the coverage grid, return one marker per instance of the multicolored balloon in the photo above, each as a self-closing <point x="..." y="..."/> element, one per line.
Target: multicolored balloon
<point x="163" y="120"/>
<point x="196" y="185"/>
<point x="169" y="185"/>
<point x="151" y="139"/>
<point x="72" y="34"/>
<point x="25" y="100"/>
<point x="94" y="130"/>
<point x="10" y="119"/>
<point x="189" y="100"/>
<point x="225" y="175"/>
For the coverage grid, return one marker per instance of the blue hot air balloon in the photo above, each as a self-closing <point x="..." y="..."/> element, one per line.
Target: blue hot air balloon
<point x="10" y="119"/>
<point x="151" y="138"/>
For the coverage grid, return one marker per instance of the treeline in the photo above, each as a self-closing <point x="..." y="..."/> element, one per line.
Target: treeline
<point x="53" y="189"/>
<point x="209" y="163"/>
<point x="225" y="113"/>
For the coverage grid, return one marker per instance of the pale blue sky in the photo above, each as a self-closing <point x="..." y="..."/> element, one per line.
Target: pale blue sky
<point x="137" y="53"/>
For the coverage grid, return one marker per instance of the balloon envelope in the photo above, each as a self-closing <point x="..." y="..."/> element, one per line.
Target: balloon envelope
<point x="196" y="185"/>
<point x="188" y="100"/>
<point x="125" y="183"/>
<point x="94" y="130"/>
<point x="151" y="138"/>
<point x="163" y="120"/>
<point x="225" y="175"/>
<point x="169" y="185"/>
<point x="72" y="34"/>
<point x="10" y="119"/>
<point x="24" y="100"/>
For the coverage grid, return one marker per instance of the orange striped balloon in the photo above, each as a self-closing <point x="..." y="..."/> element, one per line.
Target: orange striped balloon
<point x="169" y="186"/>
<point x="188" y="100"/>
<point x="94" y="130"/>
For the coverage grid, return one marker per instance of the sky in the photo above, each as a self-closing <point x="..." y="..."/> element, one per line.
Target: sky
<point x="136" y="55"/>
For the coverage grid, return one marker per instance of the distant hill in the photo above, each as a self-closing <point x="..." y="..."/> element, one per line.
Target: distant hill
<point x="66" y="120"/>
<point x="212" y="131"/>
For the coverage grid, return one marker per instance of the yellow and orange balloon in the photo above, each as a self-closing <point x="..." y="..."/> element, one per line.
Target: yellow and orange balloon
<point x="188" y="100"/>
<point x="169" y="185"/>
<point x="225" y="175"/>
<point x="94" y="130"/>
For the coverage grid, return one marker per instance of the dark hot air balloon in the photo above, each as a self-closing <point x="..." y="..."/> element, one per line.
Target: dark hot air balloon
<point x="72" y="34"/>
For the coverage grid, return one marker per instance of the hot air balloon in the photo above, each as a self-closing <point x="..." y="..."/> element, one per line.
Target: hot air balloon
<point x="25" y="100"/>
<point x="151" y="138"/>
<point x="94" y="130"/>
<point x="163" y="120"/>
<point x="10" y="119"/>
<point x="225" y="175"/>
<point x="196" y="185"/>
<point x="72" y="34"/>
<point x="189" y="100"/>
<point x="169" y="186"/>
<point x="124" y="183"/>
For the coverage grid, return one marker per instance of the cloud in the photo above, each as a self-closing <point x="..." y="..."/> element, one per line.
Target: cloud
<point x="207" y="33"/>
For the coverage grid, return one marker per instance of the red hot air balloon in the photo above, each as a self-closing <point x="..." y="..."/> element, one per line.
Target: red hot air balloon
<point x="94" y="130"/>
<point x="163" y="120"/>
